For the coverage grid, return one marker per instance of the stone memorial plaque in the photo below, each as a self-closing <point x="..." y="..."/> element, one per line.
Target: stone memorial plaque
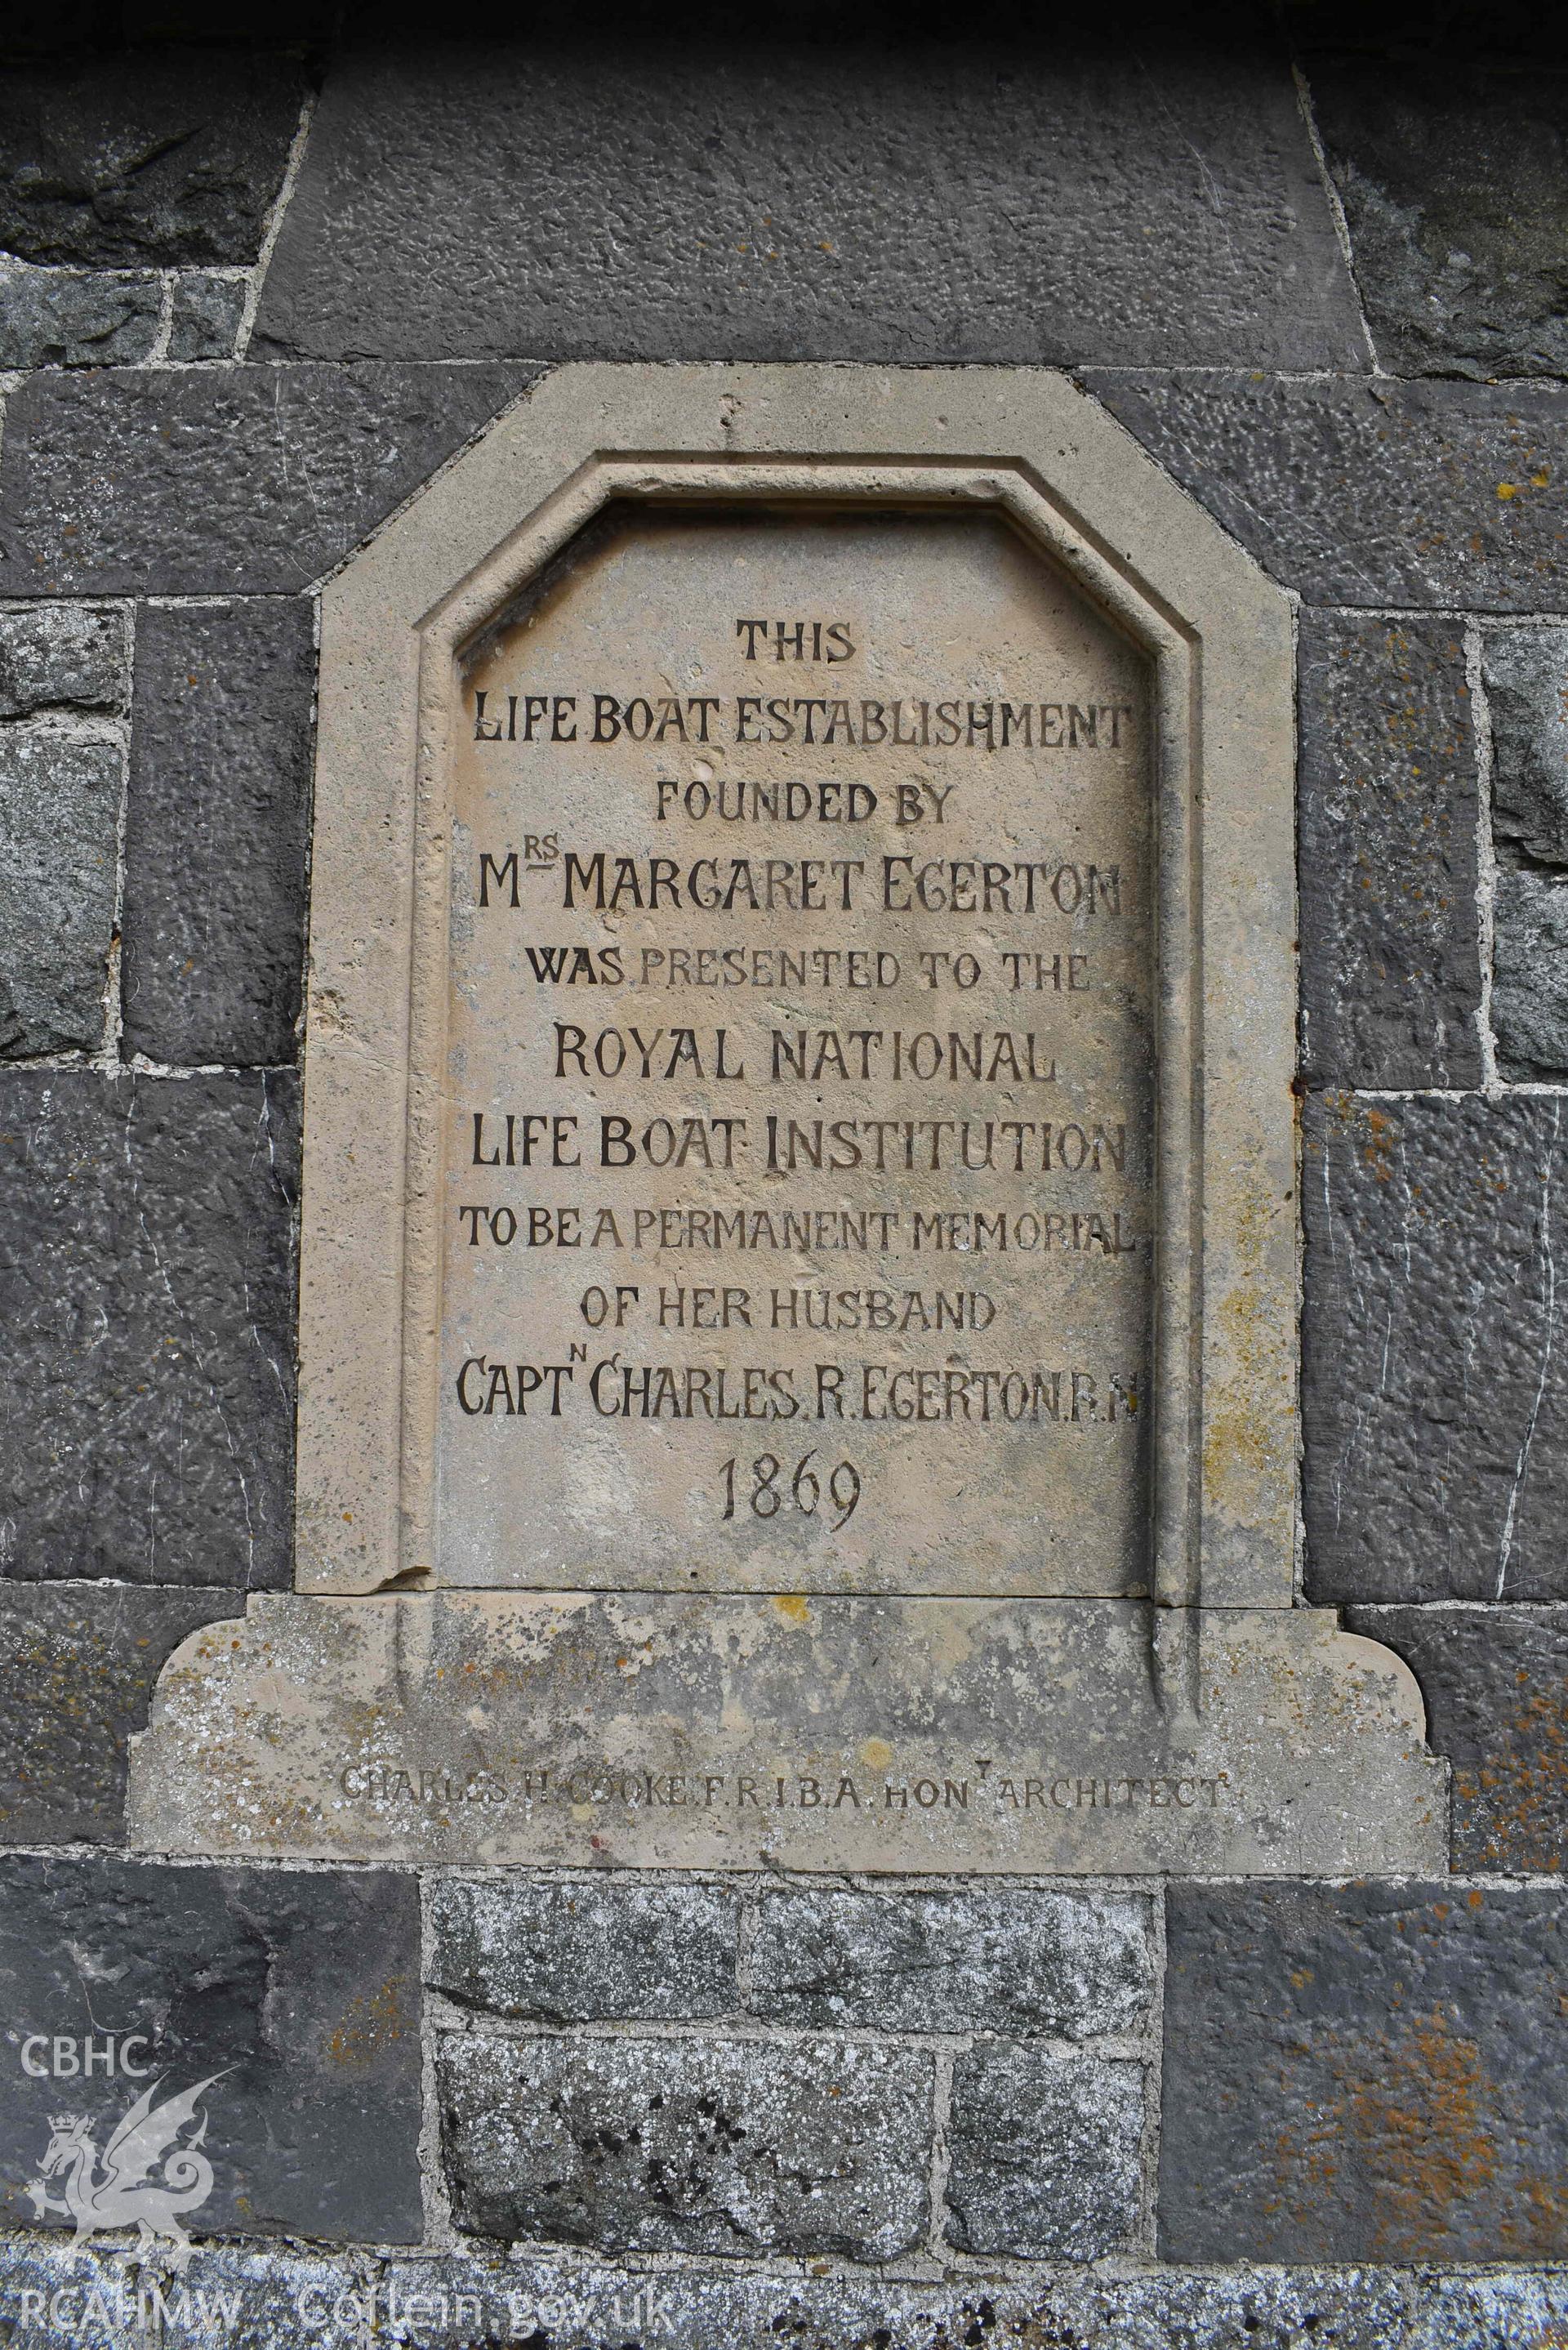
<point x="797" y="1358"/>
<point x="796" y="1190"/>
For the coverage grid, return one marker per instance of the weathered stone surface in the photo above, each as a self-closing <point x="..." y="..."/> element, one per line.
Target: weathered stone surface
<point x="1453" y="192"/>
<point x="971" y="1960"/>
<point x="206" y="316"/>
<point x="1044" y="2153"/>
<point x="1435" y="1381"/>
<point x="765" y="207"/>
<point x="1496" y="1684"/>
<point x="77" y="1668"/>
<point x="568" y="1952"/>
<point x="169" y="158"/>
<point x="1530" y="974"/>
<point x="1389" y="924"/>
<point x="147" y="1293"/>
<point x="1365" y="2073"/>
<point x="1526" y="676"/>
<point x="296" y="1995"/>
<point x="1371" y="492"/>
<point x="1526" y="687"/>
<point x="62" y="656"/>
<point x="59" y="821"/>
<point x="268" y="2298"/>
<point x="55" y="318"/>
<point x="226" y="481"/>
<point x="216" y="828"/>
<point x="697" y="2145"/>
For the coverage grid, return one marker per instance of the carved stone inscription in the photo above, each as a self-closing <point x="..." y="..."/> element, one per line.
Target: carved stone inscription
<point x="796" y="1190"/>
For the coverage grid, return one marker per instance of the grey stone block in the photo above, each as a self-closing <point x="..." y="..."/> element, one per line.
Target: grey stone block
<point x="60" y="833"/>
<point x="1435" y="1380"/>
<point x="810" y="201"/>
<point x="217" y="828"/>
<point x="147" y="1294"/>
<point x="1526" y="675"/>
<point x="1496" y="1684"/>
<point x="205" y="322"/>
<point x="1390" y="929"/>
<point x="58" y="318"/>
<point x="1371" y="492"/>
<point x="1530" y="974"/>
<point x="168" y="157"/>
<point x="62" y="657"/>
<point x="570" y="1952"/>
<point x="220" y="481"/>
<point x="264" y="2296"/>
<point x="979" y="1958"/>
<point x="1365" y="2072"/>
<point x="76" y="1668"/>
<point x="1453" y="186"/>
<point x="1044" y="2153"/>
<point x="694" y="2145"/>
<point x="295" y="1994"/>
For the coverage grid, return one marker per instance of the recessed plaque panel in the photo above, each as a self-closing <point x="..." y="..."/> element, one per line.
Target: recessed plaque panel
<point x="799" y="1240"/>
<point x="796" y="1194"/>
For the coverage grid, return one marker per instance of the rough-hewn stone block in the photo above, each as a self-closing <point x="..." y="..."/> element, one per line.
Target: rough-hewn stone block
<point x="296" y="1995"/>
<point x="1044" y="2153"/>
<point x="1371" y="492"/>
<point x="1530" y="974"/>
<point x="1389" y="924"/>
<point x="1453" y="186"/>
<point x="205" y="322"/>
<point x="1496" y="1684"/>
<point x="219" y="481"/>
<point x="1526" y="676"/>
<point x="147" y="1294"/>
<point x="689" y="2145"/>
<point x="778" y="206"/>
<point x="60" y="825"/>
<point x="288" y="2296"/>
<point x="168" y="157"/>
<point x="977" y="1960"/>
<point x="570" y="1952"/>
<point x="76" y="1670"/>
<point x="1435" y="1380"/>
<point x="216" y="830"/>
<point x="62" y="657"/>
<point x="57" y="318"/>
<point x="1365" y="2072"/>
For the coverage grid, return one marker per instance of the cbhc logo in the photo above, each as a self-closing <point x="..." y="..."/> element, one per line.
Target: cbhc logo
<point x="61" y="2056"/>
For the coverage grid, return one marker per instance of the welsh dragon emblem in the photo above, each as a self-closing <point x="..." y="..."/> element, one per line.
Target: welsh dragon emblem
<point x="123" y="2187"/>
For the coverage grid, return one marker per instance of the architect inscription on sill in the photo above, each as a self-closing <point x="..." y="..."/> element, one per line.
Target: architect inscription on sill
<point x="583" y="1790"/>
<point x="796" y="1187"/>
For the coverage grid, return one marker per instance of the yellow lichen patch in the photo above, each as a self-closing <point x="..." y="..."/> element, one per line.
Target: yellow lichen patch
<point x="1518" y="1798"/>
<point x="369" y="2027"/>
<point x="1378" y="1148"/>
<point x="794" y="1604"/>
<point x="876" y="1754"/>
<point x="1410" y="2126"/>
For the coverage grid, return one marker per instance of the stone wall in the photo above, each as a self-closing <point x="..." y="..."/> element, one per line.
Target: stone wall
<point x="250" y="299"/>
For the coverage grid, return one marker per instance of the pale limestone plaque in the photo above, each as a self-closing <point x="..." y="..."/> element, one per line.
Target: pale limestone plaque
<point x="797" y="1224"/>
<point x="1027" y="1600"/>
